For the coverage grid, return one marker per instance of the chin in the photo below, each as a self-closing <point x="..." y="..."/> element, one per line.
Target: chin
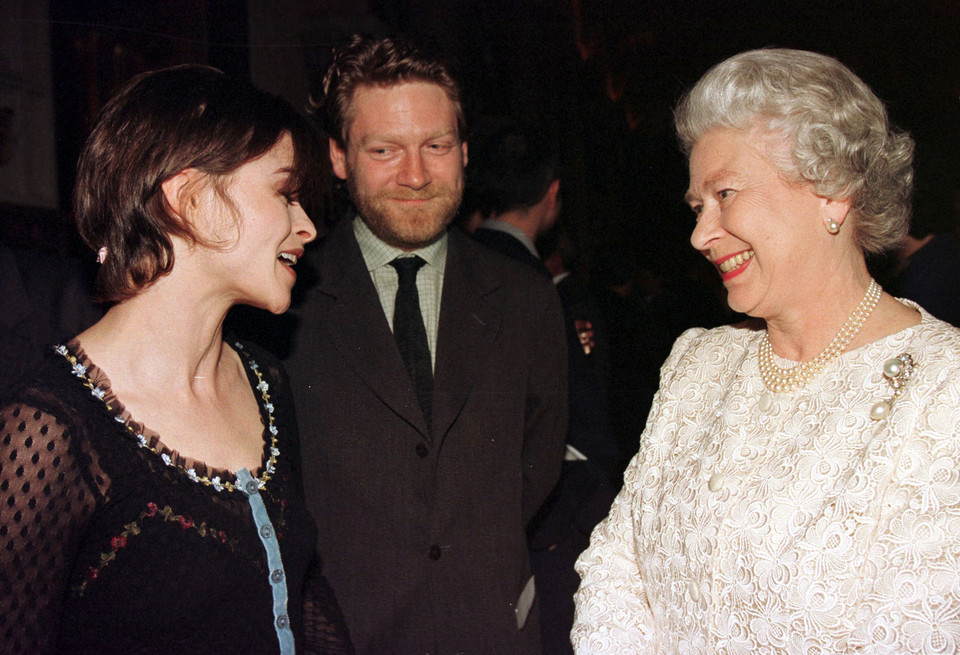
<point x="275" y="306"/>
<point x="741" y="306"/>
<point x="407" y="229"/>
<point x="414" y="237"/>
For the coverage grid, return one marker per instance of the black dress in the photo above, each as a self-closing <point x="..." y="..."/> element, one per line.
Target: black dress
<point x="110" y="542"/>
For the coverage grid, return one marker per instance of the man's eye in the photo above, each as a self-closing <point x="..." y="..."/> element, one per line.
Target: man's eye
<point x="725" y="193"/>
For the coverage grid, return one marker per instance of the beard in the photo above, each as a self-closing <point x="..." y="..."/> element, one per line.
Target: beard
<point x="408" y="228"/>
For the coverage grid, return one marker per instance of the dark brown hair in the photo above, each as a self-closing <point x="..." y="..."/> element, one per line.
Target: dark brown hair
<point x="159" y="124"/>
<point x="379" y="62"/>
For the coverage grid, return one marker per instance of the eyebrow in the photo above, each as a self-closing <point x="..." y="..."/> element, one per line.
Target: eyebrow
<point x="372" y="138"/>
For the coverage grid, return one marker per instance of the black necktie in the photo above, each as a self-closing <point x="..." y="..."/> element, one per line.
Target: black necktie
<point x="410" y="333"/>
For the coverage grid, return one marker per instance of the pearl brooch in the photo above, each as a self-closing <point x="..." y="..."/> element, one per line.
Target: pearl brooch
<point x="779" y="379"/>
<point x="766" y="401"/>
<point x="896" y="372"/>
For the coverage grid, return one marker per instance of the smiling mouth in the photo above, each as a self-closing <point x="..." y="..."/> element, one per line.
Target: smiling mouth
<point x="733" y="262"/>
<point x="288" y="258"/>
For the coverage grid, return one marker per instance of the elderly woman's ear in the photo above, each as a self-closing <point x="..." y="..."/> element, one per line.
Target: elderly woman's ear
<point x="833" y="212"/>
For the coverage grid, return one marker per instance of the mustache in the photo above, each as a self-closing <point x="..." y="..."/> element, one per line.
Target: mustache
<point x="416" y="195"/>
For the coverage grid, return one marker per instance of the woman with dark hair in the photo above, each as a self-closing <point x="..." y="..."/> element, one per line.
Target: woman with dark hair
<point x="796" y="488"/>
<point x="150" y="494"/>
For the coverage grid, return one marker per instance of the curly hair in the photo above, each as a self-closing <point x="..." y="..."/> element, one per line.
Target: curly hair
<point x="840" y="138"/>
<point x="379" y="62"/>
<point x="160" y="123"/>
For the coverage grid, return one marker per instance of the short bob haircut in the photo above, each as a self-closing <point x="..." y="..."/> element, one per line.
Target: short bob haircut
<point x="363" y="61"/>
<point x="159" y="124"/>
<point x="841" y="140"/>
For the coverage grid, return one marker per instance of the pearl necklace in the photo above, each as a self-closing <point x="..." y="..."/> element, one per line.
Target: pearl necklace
<point x="779" y="379"/>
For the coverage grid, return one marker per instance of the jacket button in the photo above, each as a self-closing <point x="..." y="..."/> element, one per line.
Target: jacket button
<point x="422" y="450"/>
<point x="435" y="552"/>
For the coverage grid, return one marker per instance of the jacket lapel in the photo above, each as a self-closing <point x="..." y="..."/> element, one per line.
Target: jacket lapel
<point x="356" y="325"/>
<point x="468" y="327"/>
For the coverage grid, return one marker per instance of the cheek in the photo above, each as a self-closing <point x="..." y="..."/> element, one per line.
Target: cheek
<point x="750" y="219"/>
<point x="371" y="178"/>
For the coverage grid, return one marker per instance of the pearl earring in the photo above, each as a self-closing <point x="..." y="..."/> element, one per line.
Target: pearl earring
<point x="833" y="227"/>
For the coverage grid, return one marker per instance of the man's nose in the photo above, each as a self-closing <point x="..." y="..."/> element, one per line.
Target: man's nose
<point x="413" y="172"/>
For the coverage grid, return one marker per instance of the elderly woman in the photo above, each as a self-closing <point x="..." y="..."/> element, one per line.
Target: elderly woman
<point x="797" y="487"/>
<point x="150" y="494"/>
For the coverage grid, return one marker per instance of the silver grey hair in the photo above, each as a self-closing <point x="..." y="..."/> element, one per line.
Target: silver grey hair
<point x="839" y="136"/>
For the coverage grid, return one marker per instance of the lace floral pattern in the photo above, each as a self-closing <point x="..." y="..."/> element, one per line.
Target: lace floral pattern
<point x="793" y="523"/>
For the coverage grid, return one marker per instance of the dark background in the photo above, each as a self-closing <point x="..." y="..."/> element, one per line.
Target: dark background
<point x="600" y="75"/>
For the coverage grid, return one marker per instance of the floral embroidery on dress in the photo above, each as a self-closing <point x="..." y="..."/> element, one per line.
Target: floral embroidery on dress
<point x="119" y="541"/>
<point x="80" y="370"/>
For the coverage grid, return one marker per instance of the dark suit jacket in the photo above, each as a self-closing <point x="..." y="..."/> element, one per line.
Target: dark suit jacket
<point x="423" y="531"/>
<point x="509" y="245"/>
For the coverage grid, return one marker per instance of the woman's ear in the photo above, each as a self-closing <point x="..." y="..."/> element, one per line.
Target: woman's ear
<point x="180" y="193"/>
<point x="835" y="209"/>
<point x="191" y="201"/>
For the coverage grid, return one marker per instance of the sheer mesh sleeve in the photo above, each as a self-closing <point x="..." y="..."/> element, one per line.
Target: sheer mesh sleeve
<point x="325" y="631"/>
<point x="45" y="498"/>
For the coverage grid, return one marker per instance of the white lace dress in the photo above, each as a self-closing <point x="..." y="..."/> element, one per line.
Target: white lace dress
<point x="799" y="525"/>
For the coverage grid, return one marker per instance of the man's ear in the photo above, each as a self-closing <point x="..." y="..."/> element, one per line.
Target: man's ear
<point x="553" y="192"/>
<point x="338" y="159"/>
<point x="463" y="151"/>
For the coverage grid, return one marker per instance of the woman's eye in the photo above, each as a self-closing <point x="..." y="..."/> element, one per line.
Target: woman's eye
<point x="725" y="193"/>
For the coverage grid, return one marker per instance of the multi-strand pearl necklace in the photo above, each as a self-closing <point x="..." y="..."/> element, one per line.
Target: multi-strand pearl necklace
<point x="780" y="379"/>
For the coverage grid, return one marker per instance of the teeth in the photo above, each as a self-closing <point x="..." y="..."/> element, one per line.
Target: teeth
<point x="288" y="258"/>
<point x="737" y="260"/>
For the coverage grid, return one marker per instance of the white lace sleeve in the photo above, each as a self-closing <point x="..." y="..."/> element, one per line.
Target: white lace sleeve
<point x="612" y="611"/>
<point x="612" y="614"/>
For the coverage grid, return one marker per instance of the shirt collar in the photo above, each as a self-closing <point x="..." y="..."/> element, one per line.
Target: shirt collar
<point x="514" y="231"/>
<point x="376" y="253"/>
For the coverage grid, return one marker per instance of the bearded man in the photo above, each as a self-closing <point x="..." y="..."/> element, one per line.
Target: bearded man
<point x="430" y="378"/>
